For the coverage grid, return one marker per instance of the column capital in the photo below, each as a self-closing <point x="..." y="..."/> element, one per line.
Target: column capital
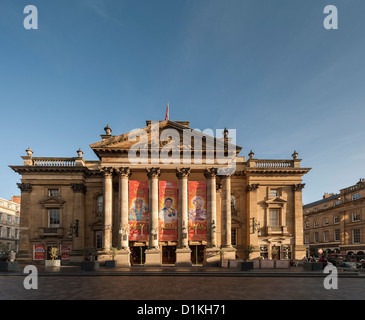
<point x="252" y="187"/>
<point x="153" y="173"/>
<point x="210" y="173"/>
<point x="225" y="176"/>
<point x="182" y="172"/>
<point x="107" y="171"/>
<point x="78" y="187"/>
<point x="25" y="187"/>
<point x="124" y="172"/>
<point x="298" y="187"/>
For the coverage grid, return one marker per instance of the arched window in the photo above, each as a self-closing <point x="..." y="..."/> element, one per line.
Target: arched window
<point x="99" y="205"/>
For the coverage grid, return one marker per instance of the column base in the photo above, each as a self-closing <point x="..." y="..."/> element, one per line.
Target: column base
<point x="153" y="257"/>
<point x="228" y="253"/>
<point x="123" y="258"/>
<point x="212" y="257"/>
<point x="183" y="257"/>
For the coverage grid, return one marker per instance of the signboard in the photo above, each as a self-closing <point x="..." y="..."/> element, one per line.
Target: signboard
<point x="65" y="251"/>
<point x="38" y="252"/>
<point x="168" y="210"/>
<point x="138" y="210"/>
<point x="197" y="210"/>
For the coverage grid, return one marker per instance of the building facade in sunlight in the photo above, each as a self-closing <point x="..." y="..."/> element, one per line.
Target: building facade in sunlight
<point x="166" y="195"/>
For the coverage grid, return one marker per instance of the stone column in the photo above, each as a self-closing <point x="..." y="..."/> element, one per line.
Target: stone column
<point x="183" y="252"/>
<point x="108" y="208"/>
<point x="252" y="237"/>
<point x="299" y="249"/>
<point x="123" y="255"/>
<point x="78" y="240"/>
<point x="212" y="252"/>
<point x="25" y="250"/>
<point x="153" y="254"/>
<point x="229" y="251"/>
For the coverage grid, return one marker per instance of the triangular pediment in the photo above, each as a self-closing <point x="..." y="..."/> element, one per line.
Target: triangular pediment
<point x="276" y="200"/>
<point x="157" y="134"/>
<point x="52" y="202"/>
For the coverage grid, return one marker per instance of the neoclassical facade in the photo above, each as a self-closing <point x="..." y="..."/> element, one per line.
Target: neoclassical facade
<point x="164" y="210"/>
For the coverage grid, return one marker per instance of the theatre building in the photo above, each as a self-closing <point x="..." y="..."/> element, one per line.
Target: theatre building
<point x="158" y="208"/>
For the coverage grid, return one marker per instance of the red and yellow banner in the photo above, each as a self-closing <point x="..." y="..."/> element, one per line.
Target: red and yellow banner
<point x="138" y="210"/>
<point x="197" y="210"/>
<point x="38" y="252"/>
<point x="168" y="210"/>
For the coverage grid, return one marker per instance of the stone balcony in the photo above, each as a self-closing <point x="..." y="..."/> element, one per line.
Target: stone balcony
<point x="45" y="232"/>
<point x="276" y="230"/>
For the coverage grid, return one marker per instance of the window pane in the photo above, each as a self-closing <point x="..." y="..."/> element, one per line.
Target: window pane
<point x="54" y="218"/>
<point x="274" y="217"/>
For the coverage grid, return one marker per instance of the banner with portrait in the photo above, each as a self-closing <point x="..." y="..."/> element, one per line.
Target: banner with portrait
<point x="138" y="210"/>
<point x="197" y="210"/>
<point x="168" y="210"/>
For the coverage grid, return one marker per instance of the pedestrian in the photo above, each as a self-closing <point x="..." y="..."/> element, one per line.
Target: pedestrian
<point x="323" y="261"/>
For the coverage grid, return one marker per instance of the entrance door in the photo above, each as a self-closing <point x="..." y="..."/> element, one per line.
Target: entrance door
<point x="275" y="252"/>
<point x="168" y="254"/>
<point x="138" y="256"/>
<point x="197" y="254"/>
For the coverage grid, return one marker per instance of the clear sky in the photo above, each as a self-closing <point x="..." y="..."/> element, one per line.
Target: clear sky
<point x="266" y="68"/>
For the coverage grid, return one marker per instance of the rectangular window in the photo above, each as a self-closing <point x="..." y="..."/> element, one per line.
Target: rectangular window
<point x="264" y="252"/>
<point x="324" y="206"/>
<point x="54" y="218"/>
<point x="355" y="216"/>
<point x="8" y="232"/>
<point x="16" y="234"/>
<point x="355" y="235"/>
<point x="315" y="224"/>
<point x="9" y="218"/>
<point x="336" y="219"/>
<point x="325" y="221"/>
<point x="356" y="196"/>
<point x="325" y="236"/>
<point x="315" y="237"/>
<point x="336" y="203"/>
<point x="273" y="217"/>
<point x="306" y="226"/>
<point x="99" y="239"/>
<point x="273" y="193"/>
<point x="234" y="237"/>
<point x="337" y="235"/>
<point x="53" y="192"/>
<point x="306" y="238"/>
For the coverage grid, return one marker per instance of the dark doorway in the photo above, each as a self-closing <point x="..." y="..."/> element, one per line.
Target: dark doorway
<point x="138" y="256"/>
<point x="197" y="254"/>
<point x="168" y="254"/>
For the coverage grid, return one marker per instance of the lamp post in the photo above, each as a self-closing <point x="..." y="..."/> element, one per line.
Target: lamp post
<point x="74" y="228"/>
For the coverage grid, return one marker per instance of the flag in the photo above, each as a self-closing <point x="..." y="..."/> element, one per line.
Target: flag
<point x="167" y="112"/>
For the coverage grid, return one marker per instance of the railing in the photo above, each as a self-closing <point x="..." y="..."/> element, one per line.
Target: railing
<point x="356" y="187"/>
<point x="53" y="162"/>
<point x="274" y="163"/>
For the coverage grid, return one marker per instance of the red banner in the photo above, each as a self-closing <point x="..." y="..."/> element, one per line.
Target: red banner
<point x="65" y="251"/>
<point x="197" y="210"/>
<point x="38" y="252"/>
<point x="168" y="210"/>
<point x="138" y="210"/>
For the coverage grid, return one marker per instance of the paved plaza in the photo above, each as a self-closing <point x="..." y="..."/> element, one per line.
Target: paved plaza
<point x="172" y="284"/>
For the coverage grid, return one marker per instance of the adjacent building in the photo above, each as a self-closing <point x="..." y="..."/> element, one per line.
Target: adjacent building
<point x="336" y="223"/>
<point x="163" y="209"/>
<point x="9" y="223"/>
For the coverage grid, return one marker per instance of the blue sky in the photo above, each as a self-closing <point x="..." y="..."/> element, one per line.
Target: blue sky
<point x="266" y="68"/>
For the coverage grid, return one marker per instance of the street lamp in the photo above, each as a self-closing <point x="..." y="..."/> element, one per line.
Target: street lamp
<point x="74" y="228"/>
<point x="255" y="226"/>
